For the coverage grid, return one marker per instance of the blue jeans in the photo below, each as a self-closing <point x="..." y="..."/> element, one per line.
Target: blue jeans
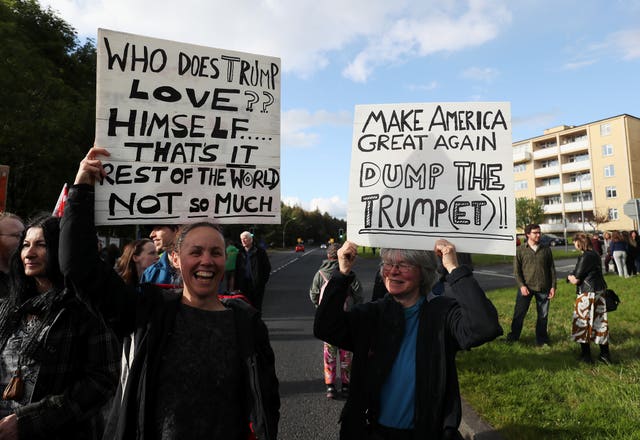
<point x="520" y="311"/>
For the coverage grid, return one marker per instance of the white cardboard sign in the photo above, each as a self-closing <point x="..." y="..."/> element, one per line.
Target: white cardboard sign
<point x="425" y="171"/>
<point x="193" y="132"/>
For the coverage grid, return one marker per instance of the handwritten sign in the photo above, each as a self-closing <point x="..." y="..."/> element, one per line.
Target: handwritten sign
<point x="425" y="171"/>
<point x="193" y="132"/>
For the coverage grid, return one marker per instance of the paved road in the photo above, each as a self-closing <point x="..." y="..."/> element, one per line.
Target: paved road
<point x="288" y="312"/>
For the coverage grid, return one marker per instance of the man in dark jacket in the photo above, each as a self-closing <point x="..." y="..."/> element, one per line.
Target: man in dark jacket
<point x="404" y="382"/>
<point x="535" y="274"/>
<point x="252" y="270"/>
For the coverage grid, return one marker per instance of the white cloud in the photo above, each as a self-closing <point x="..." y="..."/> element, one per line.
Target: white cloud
<point x="304" y="33"/>
<point x="484" y="74"/>
<point x="429" y="30"/>
<point x="627" y="43"/>
<point x="576" y="65"/>
<point x="334" y="206"/>
<point x="423" y="87"/>
<point x="298" y="125"/>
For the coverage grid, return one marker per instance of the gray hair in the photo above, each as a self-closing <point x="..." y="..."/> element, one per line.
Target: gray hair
<point x="426" y="261"/>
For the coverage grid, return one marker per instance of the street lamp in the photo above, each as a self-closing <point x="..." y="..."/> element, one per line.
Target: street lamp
<point x="284" y="228"/>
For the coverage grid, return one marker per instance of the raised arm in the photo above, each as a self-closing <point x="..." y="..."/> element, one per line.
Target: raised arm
<point x="93" y="281"/>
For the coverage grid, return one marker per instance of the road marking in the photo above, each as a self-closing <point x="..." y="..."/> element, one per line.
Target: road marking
<point x="284" y="265"/>
<point x="492" y="273"/>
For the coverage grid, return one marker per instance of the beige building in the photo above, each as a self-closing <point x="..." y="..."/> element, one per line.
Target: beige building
<point x="582" y="172"/>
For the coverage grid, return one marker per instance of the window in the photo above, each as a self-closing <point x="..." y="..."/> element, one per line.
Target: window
<point x="605" y="129"/>
<point x="552" y="200"/>
<point x="613" y="213"/>
<point x="609" y="171"/>
<point x="549" y="163"/>
<point x="607" y="150"/>
<point x="611" y="192"/>
<point x="520" y="184"/>
<point x="581" y="196"/>
<point x="580" y="177"/>
<point x="578" y="158"/>
<point x="520" y="168"/>
<point x="550" y="181"/>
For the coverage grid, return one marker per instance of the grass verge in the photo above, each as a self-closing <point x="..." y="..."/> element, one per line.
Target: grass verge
<point x="527" y="392"/>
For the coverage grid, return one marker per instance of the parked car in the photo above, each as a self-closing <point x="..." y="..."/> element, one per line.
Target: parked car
<point x="300" y="247"/>
<point x="552" y="240"/>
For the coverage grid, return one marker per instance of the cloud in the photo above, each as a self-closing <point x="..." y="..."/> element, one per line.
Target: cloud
<point x="423" y="87"/>
<point x="431" y="29"/>
<point x="303" y="33"/>
<point x="627" y="43"/>
<point x="334" y="206"/>
<point x="484" y="74"/>
<point x="576" y="65"/>
<point x="298" y="125"/>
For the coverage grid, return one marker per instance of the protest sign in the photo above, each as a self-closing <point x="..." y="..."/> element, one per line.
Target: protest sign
<point x="425" y="171"/>
<point x="193" y="132"/>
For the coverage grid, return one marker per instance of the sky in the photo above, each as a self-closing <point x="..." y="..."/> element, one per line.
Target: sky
<point x="557" y="62"/>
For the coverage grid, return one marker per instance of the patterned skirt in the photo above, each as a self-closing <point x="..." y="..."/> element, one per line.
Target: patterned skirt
<point x="590" y="322"/>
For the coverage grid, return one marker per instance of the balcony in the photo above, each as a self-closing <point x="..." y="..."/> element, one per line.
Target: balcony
<point x="521" y="156"/>
<point x="552" y="209"/>
<point x="547" y="171"/>
<point x="546" y="152"/>
<point x="586" y="205"/>
<point x="547" y="190"/>
<point x="582" y="144"/>
<point x="582" y="165"/>
<point x="577" y="186"/>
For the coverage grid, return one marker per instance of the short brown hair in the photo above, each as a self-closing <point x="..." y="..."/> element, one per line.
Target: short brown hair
<point x="583" y="241"/>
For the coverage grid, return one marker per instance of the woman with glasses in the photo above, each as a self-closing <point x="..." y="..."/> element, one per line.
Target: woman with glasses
<point x="404" y="382"/>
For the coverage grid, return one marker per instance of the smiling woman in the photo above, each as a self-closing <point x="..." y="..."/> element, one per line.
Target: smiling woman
<point x="58" y="364"/>
<point x="202" y="355"/>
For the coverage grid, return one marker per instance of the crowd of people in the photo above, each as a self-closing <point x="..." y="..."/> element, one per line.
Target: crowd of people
<point x="97" y="347"/>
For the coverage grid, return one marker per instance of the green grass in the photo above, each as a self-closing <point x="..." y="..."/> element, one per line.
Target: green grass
<point x="527" y="392"/>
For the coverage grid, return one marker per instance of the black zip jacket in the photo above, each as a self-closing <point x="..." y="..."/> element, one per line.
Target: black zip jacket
<point x="147" y="317"/>
<point x="374" y="332"/>
<point x="589" y="271"/>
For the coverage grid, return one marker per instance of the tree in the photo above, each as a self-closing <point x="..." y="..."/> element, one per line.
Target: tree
<point x="599" y="217"/>
<point x="528" y="211"/>
<point x="47" y="103"/>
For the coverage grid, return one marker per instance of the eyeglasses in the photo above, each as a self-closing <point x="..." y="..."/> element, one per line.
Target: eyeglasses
<point x="17" y="235"/>
<point x="402" y="267"/>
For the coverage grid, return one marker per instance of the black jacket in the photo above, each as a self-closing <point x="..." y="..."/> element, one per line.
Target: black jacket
<point x="148" y="316"/>
<point x="374" y="331"/>
<point x="589" y="271"/>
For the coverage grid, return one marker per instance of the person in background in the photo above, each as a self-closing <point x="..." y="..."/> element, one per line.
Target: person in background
<point x="162" y="272"/>
<point x="230" y="266"/>
<point x="330" y="353"/>
<point x="633" y="253"/>
<point x="58" y="363"/>
<point x="619" y="252"/>
<point x="198" y="367"/>
<point x="253" y="269"/>
<point x="590" y="323"/>
<point x="606" y="250"/>
<point x="633" y="236"/>
<point x="535" y="274"/>
<point x="11" y="227"/>
<point x="404" y="382"/>
<point x="136" y="256"/>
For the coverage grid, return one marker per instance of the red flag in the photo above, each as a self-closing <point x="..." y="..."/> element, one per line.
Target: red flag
<point x="62" y="200"/>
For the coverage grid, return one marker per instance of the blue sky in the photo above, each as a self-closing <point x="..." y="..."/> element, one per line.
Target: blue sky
<point x="557" y="62"/>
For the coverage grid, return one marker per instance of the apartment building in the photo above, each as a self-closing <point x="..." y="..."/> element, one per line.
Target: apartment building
<point x="581" y="173"/>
